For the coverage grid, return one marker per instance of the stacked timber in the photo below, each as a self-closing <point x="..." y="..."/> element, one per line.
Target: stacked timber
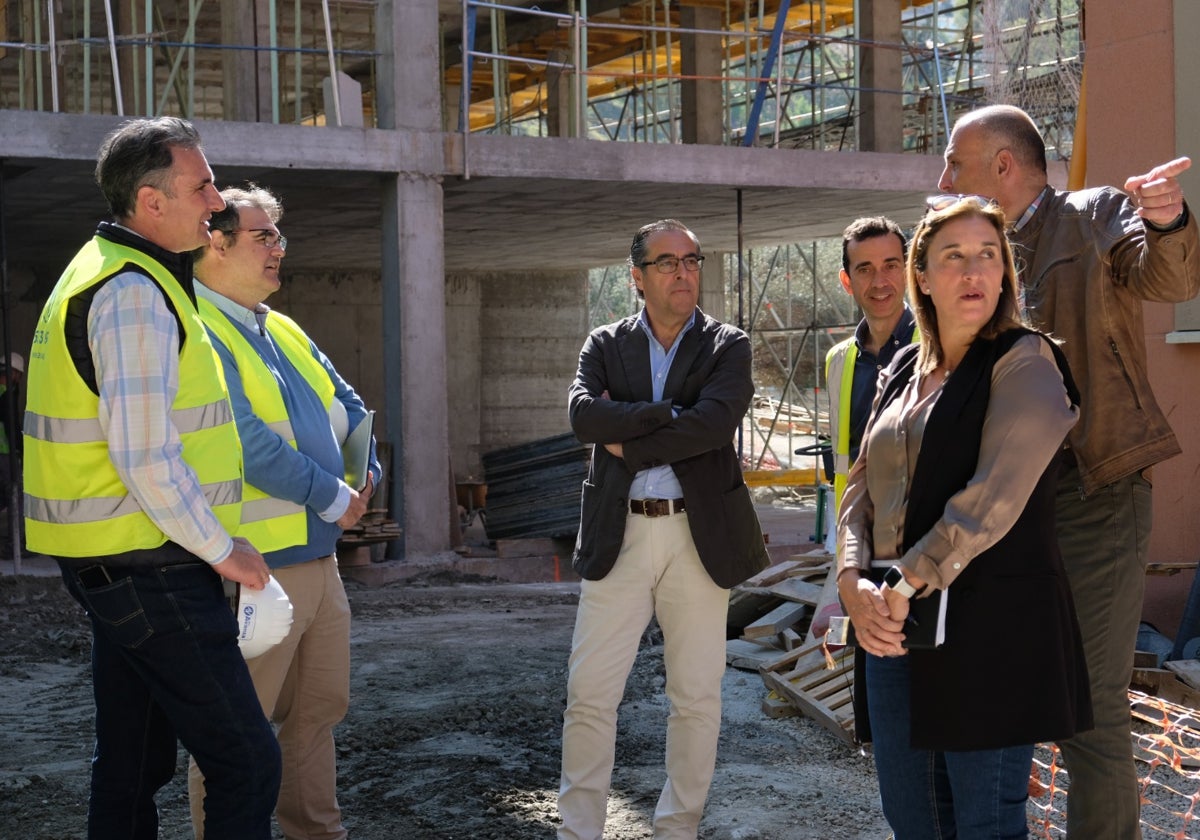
<point x="533" y="490"/>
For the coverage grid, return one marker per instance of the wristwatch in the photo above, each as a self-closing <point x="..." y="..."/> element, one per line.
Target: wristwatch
<point x="894" y="578"/>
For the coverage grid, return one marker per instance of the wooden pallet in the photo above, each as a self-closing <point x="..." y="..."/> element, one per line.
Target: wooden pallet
<point x="803" y="678"/>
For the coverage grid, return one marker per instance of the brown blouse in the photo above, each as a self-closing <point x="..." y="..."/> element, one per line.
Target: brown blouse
<point x="1028" y="417"/>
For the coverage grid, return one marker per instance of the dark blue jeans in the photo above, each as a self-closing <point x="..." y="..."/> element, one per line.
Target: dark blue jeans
<point x="936" y="795"/>
<point x="166" y="666"/>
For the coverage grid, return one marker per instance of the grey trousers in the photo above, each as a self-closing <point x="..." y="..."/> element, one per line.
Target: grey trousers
<point x="1103" y="539"/>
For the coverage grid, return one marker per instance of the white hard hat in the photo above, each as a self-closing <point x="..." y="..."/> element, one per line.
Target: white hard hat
<point x="339" y="421"/>
<point x="264" y="617"/>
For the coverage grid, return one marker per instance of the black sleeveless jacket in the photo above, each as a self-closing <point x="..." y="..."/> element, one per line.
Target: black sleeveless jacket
<point x="1012" y="669"/>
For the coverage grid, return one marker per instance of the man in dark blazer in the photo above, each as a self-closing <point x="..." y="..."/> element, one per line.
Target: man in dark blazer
<point x="667" y="527"/>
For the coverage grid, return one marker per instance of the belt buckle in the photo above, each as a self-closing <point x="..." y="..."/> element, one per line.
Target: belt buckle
<point x="650" y="506"/>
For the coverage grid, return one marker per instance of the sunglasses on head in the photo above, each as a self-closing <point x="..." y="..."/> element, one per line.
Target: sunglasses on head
<point x="941" y="201"/>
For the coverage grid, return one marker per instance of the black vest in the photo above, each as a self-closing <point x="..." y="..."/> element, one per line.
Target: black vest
<point x="1012" y="669"/>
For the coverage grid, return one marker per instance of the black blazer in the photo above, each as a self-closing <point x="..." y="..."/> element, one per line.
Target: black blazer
<point x="710" y="387"/>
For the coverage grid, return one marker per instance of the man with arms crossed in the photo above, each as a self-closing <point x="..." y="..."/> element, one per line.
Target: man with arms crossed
<point x="1088" y="259"/>
<point x="133" y="483"/>
<point x="284" y="391"/>
<point x="667" y="527"/>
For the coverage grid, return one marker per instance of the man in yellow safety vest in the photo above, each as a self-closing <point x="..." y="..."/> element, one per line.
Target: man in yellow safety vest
<point x="873" y="250"/>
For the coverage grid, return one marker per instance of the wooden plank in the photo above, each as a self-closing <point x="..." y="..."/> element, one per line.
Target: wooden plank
<point x="800" y="591"/>
<point x="1165" y="685"/>
<point x="748" y="607"/>
<point x="747" y="655"/>
<point x="789" y="640"/>
<point x="1188" y="670"/>
<point x="774" y="706"/>
<point x="534" y="547"/>
<point x="776" y="621"/>
<point x="772" y="574"/>
<point x="1154" y="568"/>
<point x="816" y="558"/>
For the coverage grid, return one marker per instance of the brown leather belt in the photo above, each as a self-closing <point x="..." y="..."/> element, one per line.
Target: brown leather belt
<point x="656" y="507"/>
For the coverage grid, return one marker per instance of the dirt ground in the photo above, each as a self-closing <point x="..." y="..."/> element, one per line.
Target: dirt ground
<point x="454" y="729"/>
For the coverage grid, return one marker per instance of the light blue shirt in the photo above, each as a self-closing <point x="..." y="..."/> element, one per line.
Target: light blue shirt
<point x="311" y="474"/>
<point x="659" y="482"/>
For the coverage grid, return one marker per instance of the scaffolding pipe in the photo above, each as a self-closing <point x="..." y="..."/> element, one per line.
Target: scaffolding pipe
<point x="579" y="86"/>
<point x="297" y="70"/>
<point x="464" y="99"/>
<point x="53" y="36"/>
<point x="333" y="71"/>
<point x="765" y="73"/>
<point x="672" y="134"/>
<point x="112" y="50"/>
<point x="581" y="70"/>
<point x="87" y="57"/>
<point x="273" y="28"/>
<point x="148" y="56"/>
<point x="937" y="66"/>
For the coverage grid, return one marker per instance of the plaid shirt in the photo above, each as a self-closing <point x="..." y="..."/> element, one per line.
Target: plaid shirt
<point x="134" y="340"/>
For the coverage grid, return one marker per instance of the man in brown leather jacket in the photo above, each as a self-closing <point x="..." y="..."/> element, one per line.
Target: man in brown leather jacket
<point x="1088" y="259"/>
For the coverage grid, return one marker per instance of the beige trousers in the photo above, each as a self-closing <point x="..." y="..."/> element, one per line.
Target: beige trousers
<point x="303" y="684"/>
<point x="657" y="572"/>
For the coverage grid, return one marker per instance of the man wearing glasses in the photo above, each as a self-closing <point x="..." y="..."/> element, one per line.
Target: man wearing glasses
<point x="1088" y="259"/>
<point x="667" y="527"/>
<point x="286" y="399"/>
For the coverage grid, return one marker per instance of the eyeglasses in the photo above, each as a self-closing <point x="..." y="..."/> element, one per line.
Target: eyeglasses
<point x="269" y="238"/>
<point x="667" y="264"/>
<point x="941" y="201"/>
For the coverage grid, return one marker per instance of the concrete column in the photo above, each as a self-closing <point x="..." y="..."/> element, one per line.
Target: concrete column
<point x="558" y="96"/>
<point x="246" y="75"/>
<point x="881" y="114"/>
<point x="413" y="277"/>
<point x="414" y="338"/>
<point x="408" y="90"/>
<point x="702" y="105"/>
<point x="451" y="107"/>
<point x="712" y="286"/>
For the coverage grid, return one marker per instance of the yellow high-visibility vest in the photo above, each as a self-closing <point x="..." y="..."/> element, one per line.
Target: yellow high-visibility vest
<point x="76" y="504"/>
<point x="839" y="367"/>
<point x="270" y="523"/>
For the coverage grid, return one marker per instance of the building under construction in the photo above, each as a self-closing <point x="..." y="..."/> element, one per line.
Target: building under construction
<point x="461" y="179"/>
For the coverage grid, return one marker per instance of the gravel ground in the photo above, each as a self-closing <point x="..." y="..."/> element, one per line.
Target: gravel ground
<point x="454" y="729"/>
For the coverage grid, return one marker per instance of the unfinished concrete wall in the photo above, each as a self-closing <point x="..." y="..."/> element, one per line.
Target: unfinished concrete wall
<point x="463" y="383"/>
<point x="341" y="313"/>
<point x="531" y="328"/>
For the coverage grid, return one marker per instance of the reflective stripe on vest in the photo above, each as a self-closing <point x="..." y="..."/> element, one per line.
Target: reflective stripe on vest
<point x="841" y="449"/>
<point x="270" y="523"/>
<point x="841" y="439"/>
<point x="845" y="353"/>
<point x="76" y="503"/>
